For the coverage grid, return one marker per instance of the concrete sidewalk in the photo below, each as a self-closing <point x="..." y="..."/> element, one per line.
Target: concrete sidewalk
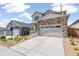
<point x="4" y="51"/>
<point x="41" y="46"/>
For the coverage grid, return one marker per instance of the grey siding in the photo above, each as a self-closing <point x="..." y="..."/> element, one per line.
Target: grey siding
<point x="16" y="32"/>
<point x="2" y="33"/>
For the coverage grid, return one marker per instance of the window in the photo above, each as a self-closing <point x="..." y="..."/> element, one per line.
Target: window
<point x="16" y="27"/>
<point x="51" y="26"/>
<point x="47" y="27"/>
<point x="11" y="28"/>
<point x="42" y="27"/>
<point x="57" y="26"/>
<point x="32" y="28"/>
<point x="36" y="17"/>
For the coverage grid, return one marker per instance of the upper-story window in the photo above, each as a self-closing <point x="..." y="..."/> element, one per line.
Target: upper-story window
<point x="36" y="17"/>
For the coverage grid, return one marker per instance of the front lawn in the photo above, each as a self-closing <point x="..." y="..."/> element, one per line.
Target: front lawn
<point x="8" y="42"/>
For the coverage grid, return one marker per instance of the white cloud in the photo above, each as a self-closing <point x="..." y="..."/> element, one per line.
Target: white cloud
<point x="27" y="15"/>
<point x="70" y="8"/>
<point x="15" y="7"/>
<point x="4" y="22"/>
<point x="16" y="19"/>
<point x="3" y="3"/>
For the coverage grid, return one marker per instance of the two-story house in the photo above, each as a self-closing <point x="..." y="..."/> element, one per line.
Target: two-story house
<point x="50" y="23"/>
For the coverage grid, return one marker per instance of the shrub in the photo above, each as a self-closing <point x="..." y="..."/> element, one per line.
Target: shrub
<point x="9" y="38"/>
<point x="77" y="54"/>
<point x="18" y="38"/>
<point x="72" y="41"/>
<point x="3" y="38"/>
<point x="25" y="38"/>
<point x="77" y="49"/>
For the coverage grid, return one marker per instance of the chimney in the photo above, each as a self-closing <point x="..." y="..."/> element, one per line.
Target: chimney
<point x="61" y="8"/>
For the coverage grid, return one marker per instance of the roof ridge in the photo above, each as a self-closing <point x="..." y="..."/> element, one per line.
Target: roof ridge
<point x="74" y="22"/>
<point x="19" y="21"/>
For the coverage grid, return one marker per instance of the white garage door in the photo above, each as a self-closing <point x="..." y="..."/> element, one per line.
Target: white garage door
<point x="51" y="30"/>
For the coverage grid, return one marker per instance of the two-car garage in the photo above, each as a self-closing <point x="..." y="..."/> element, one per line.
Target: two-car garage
<point x="51" y="30"/>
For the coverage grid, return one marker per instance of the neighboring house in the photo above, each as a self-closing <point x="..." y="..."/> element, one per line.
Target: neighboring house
<point x="18" y="28"/>
<point x="75" y="24"/>
<point x="74" y="29"/>
<point x="2" y="31"/>
<point x="50" y="23"/>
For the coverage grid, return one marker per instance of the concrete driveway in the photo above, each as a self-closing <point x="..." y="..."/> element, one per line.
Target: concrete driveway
<point x="40" y="46"/>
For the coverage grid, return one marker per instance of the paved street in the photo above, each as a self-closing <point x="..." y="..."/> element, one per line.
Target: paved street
<point x="38" y="46"/>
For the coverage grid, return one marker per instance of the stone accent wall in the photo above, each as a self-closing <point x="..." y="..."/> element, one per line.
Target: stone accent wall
<point x="59" y="20"/>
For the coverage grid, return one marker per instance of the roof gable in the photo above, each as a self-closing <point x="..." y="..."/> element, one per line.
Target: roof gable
<point x="77" y="21"/>
<point x="52" y="16"/>
<point x="54" y="12"/>
<point x="48" y="12"/>
<point x="36" y="13"/>
<point x="17" y="23"/>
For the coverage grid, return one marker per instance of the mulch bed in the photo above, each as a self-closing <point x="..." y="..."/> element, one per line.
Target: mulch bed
<point x="70" y="49"/>
<point x="10" y="43"/>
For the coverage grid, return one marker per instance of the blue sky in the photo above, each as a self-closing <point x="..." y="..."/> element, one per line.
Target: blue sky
<point x="23" y="11"/>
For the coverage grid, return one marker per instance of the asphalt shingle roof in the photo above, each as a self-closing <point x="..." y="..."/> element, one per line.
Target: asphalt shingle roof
<point x="51" y="16"/>
<point x="22" y="24"/>
<point x="77" y="21"/>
